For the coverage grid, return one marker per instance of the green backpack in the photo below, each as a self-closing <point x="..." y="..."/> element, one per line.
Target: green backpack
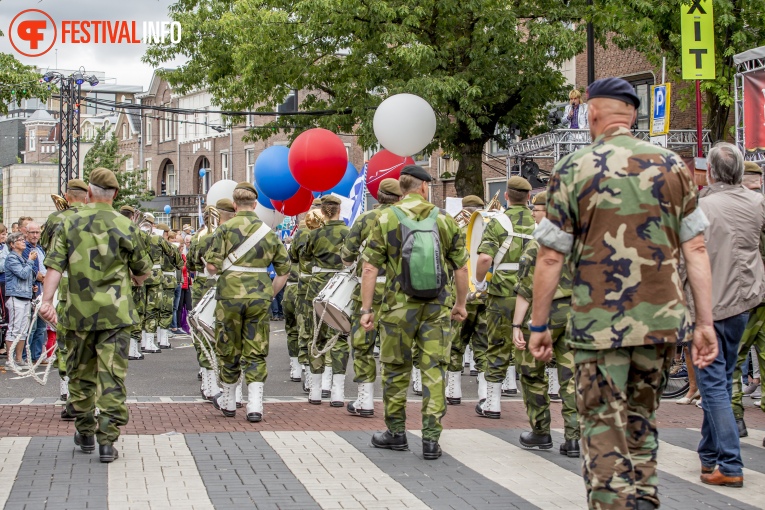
<point x="422" y="274"/>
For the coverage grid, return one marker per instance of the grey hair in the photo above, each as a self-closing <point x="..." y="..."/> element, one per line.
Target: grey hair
<point x="100" y="193"/>
<point x="12" y="238"/>
<point x="726" y="163"/>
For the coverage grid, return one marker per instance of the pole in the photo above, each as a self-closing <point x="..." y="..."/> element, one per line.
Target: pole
<point x="698" y="119"/>
<point x="590" y="50"/>
<point x="663" y="69"/>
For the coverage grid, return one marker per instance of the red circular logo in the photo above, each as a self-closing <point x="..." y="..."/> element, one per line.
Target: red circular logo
<point x="28" y="32"/>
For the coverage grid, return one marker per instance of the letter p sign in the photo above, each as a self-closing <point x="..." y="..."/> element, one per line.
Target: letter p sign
<point x="31" y="31"/>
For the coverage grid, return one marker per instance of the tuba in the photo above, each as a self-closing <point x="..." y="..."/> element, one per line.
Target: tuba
<point x="211" y="218"/>
<point x="314" y="219"/>
<point x="463" y="218"/>
<point x="495" y="204"/>
<point x="60" y="202"/>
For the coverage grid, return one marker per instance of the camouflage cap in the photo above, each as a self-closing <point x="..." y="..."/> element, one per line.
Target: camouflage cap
<point x="331" y="199"/>
<point x="163" y="227"/>
<point x="187" y="227"/>
<point x="540" y="198"/>
<point x="149" y="217"/>
<point x="518" y="183"/>
<point x="316" y="202"/>
<point x="127" y="208"/>
<point x="225" y="204"/>
<point x="472" y="201"/>
<point x="76" y="184"/>
<point x="750" y="167"/>
<point x="104" y="178"/>
<point x="390" y="186"/>
<point x="248" y="187"/>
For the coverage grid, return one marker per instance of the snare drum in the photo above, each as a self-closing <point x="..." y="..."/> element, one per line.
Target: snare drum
<point x="202" y="317"/>
<point x="477" y="225"/>
<point x="337" y="299"/>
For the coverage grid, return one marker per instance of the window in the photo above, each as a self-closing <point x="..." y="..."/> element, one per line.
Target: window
<point x="643" y="90"/>
<point x="124" y="131"/>
<point x="129" y="164"/>
<point x="249" y="158"/>
<point x="170" y="169"/>
<point x="494" y="185"/>
<point x="32" y="135"/>
<point x="161" y="130"/>
<point x="147" y="166"/>
<point x="422" y="158"/>
<point x="204" y="122"/>
<point x="168" y="126"/>
<point x="224" y="165"/>
<point x="147" y="133"/>
<point x="161" y="217"/>
<point x="205" y="181"/>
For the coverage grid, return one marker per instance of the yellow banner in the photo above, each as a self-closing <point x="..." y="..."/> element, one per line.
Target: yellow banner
<point x="698" y="38"/>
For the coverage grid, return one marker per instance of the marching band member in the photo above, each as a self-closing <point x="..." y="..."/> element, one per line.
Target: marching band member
<point x="289" y="304"/>
<point x="171" y="261"/>
<point x="323" y="249"/>
<point x="153" y="286"/>
<point x="501" y="246"/>
<point x="241" y="251"/>
<point x="76" y="197"/>
<point x="363" y="342"/>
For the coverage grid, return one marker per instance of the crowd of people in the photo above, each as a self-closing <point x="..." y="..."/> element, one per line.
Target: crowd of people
<point x="597" y="283"/>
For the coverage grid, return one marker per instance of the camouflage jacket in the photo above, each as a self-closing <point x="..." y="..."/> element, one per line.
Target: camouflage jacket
<point x="195" y="261"/>
<point x="561" y="304"/>
<point x="323" y="251"/>
<point x="359" y="233"/>
<point x="227" y="238"/>
<point x="503" y="282"/>
<point x="52" y="226"/>
<point x="383" y="249"/>
<point x="171" y="261"/>
<point x="622" y="207"/>
<point x="146" y="241"/>
<point x="99" y="248"/>
<point x="303" y="265"/>
<point x="156" y="253"/>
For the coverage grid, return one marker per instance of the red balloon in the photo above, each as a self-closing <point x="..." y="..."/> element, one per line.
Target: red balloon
<point x="298" y="203"/>
<point x="384" y="165"/>
<point x="318" y="159"/>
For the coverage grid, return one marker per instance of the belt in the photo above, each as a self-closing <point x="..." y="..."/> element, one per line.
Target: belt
<point x="317" y="269"/>
<point x="242" y="269"/>
<point x="168" y="273"/>
<point x="157" y="266"/>
<point x="382" y="279"/>
<point x="510" y="266"/>
<point x="305" y="275"/>
<point x="289" y="284"/>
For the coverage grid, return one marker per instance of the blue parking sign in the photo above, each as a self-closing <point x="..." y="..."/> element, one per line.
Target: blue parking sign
<point x="660" y="109"/>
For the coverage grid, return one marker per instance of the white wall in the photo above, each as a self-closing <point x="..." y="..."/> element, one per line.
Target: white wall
<point x="27" y="190"/>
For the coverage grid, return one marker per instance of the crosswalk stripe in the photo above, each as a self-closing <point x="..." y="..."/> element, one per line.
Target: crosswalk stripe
<point x="156" y="472"/>
<point x="11" y="454"/>
<point x="336" y="474"/>
<point x="515" y="469"/>
<point x="684" y="464"/>
<point x="754" y="438"/>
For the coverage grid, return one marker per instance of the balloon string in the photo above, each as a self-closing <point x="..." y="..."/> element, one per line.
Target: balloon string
<point x="385" y="172"/>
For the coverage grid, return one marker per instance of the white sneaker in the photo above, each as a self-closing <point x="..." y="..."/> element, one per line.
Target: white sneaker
<point x="509" y="385"/>
<point x="239" y="398"/>
<point x="491" y="407"/>
<point x="255" y="402"/>
<point x="338" y="391"/>
<point x="63" y="388"/>
<point x="295" y="370"/>
<point x="454" y="388"/>
<point x="553" y="387"/>
<point x="482" y="386"/>
<point x="364" y="403"/>
<point x="416" y="381"/>
<point x="326" y="382"/>
<point x="306" y="379"/>
<point x="314" y="397"/>
<point x="225" y="401"/>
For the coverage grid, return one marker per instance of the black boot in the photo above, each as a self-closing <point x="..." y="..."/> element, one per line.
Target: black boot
<point x="430" y="449"/>
<point x="645" y="504"/>
<point x="86" y="443"/>
<point x="570" y="448"/>
<point x="66" y="416"/>
<point x="742" y="432"/>
<point x="390" y="441"/>
<point x="108" y="453"/>
<point x="532" y="440"/>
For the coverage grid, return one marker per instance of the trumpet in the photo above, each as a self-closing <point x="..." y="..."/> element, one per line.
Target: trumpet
<point x="60" y="202"/>
<point x="463" y="218"/>
<point x="495" y="204"/>
<point x="211" y="218"/>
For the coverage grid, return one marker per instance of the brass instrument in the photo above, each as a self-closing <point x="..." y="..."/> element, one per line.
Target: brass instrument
<point x="495" y="204"/>
<point x="314" y="219"/>
<point x="60" y="202"/>
<point x="211" y="218"/>
<point x="463" y="218"/>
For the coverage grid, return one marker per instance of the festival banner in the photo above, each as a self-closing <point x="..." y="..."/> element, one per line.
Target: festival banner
<point x="754" y="111"/>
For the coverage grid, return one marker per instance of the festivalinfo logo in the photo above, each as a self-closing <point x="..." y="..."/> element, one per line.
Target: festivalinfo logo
<point x="33" y="32"/>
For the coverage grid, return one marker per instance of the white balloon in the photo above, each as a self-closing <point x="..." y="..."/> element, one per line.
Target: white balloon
<point x="221" y="189"/>
<point x="404" y="124"/>
<point x="268" y="216"/>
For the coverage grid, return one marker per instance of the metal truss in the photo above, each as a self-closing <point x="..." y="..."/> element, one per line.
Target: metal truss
<point x="746" y="67"/>
<point x="69" y="133"/>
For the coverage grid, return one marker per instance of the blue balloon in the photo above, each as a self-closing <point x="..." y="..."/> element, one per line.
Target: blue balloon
<point x="344" y="187"/>
<point x="167" y="209"/>
<point x="263" y="199"/>
<point x="202" y="172"/>
<point x="272" y="173"/>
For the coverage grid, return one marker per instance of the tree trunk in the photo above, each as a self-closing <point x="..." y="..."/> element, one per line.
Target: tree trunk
<point x="469" y="178"/>
<point x="717" y="119"/>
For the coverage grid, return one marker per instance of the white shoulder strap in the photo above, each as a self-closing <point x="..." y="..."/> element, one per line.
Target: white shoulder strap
<point x="505" y="222"/>
<point x="246" y="246"/>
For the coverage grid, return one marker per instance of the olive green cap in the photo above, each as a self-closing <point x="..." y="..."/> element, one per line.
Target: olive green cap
<point x="540" y="198"/>
<point x="163" y="227"/>
<point x="127" y="208"/>
<point x="750" y="167"/>
<point x="472" y="201"/>
<point x="518" y="183"/>
<point x="316" y="202"/>
<point x="390" y="186"/>
<point x="76" y="184"/>
<point x="248" y="187"/>
<point x="331" y="199"/>
<point x="149" y="217"/>
<point x="104" y="178"/>
<point x="225" y="204"/>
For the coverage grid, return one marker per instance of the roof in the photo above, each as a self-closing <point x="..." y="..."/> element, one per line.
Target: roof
<point x="752" y="54"/>
<point x="40" y="116"/>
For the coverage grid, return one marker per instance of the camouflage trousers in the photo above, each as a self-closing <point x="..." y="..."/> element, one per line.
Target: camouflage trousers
<point x="139" y="301"/>
<point x="97" y="364"/>
<point x="242" y="329"/>
<point x="754" y="336"/>
<point x="363" y="346"/>
<point x="61" y="351"/>
<point x="198" y="290"/>
<point x="289" y="305"/>
<point x="303" y="314"/>
<point x="499" y="352"/>
<point x="153" y="308"/>
<point x="338" y="355"/>
<point x="535" y="388"/>
<point x="617" y="394"/>
<point x="166" y="306"/>
<point x="471" y="331"/>
<point x="427" y="329"/>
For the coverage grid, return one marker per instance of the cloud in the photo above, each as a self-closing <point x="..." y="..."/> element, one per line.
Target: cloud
<point x="120" y="62"/>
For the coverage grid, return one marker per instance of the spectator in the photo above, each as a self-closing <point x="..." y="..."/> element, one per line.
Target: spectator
<point x="277" y="313"/>
<point x="14" y="227"/>
<point x="23" y="224"/>
<point x="575" y="114"/>
<point x="3" y="315"/>
<point x="737" y="218"/>
<point x="19" y="278"/>
<point x="39" y="333"/>
<point x="174" y="239"/>
<point x="185" y="300"/>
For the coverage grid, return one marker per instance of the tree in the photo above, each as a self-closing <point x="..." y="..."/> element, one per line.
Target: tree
<point x="18" y="82"/>
<point x="105" y="153"/>
<point x="482" y="64"/>
<point x="653" y="28"/>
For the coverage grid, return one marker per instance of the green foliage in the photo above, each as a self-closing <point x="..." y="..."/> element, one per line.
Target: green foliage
<point x="105" y="153"/>
<point x="480" y="63"/>
<point x="18" y="81"/>
<point x="653" y="28"/>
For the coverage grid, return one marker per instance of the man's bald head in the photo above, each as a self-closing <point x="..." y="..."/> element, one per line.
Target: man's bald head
<point x="604" y="113"/>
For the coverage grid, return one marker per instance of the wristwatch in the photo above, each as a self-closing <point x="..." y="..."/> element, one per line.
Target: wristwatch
<point x="365" y="312"/>
<point x="537" y="329"/>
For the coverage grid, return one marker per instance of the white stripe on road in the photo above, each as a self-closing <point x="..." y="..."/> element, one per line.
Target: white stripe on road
<point x="11" y="454"/>
<point x="156" y="472"/>
<point x="515" y="469"/>
<point x="336" y="474"/>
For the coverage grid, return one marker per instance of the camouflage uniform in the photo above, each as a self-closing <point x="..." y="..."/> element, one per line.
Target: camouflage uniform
<point x="500" y="304"/>
<point x="622" y="207"/>
<point x="241" y="314"/>
<point x="363" y="343"/>
<point x="289" y="305"/>
<point x="154" y="285"/>
<point x="99" y="248"/>
<point x="303" y="307"/>
<point x="534" y="384"/>
<point x="202" y="283"/>
<point x="139" y="295"/>
<point x="406" y="322"/>
<point x="323" y="252"/>
<point x="52" y="226"/>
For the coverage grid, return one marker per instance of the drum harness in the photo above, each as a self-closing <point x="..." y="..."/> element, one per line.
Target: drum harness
<point x="505" y="222"/>
<point x="50" y="355"/>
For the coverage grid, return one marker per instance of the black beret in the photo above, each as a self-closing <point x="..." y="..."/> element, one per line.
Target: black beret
<point x="417" y="172"/>
<point x="613" y="88"/>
